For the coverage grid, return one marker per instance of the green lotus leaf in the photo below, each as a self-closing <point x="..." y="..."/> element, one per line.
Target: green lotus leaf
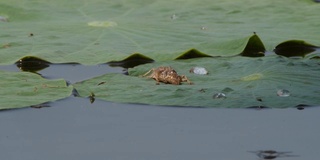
<point x="232" y="82"/>
<point x="131" y="61"/>
<point x="192" y="53"/>
<point x="24" y="89"/>
<point x="295" y="48"/>
<point x="254" y="48"/>
<point x="97" y="31"/>
<point x="32" y="64"/>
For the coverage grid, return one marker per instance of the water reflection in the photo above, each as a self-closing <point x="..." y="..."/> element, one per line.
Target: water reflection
<point x="272" y="154"/>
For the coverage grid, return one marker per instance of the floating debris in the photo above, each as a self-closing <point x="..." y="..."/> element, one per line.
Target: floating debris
<point x="283" y="93"/>
<point x="219" y="96"/>
<point x="198" y="70"/>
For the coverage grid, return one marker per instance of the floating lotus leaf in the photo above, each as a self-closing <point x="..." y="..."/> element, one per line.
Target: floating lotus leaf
<point x="32" y="64"/>
<point x="97" y="31"/>
<point x="126" y="32"/>
<point x="254" y="48"/>
<point x="295" y="48"/>
<point x="131" y="61"/>
<point x="234" y="82"/>
<point x="24" y="89"/>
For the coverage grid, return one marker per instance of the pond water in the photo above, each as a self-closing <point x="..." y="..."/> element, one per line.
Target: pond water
<point x="73" y="128"/>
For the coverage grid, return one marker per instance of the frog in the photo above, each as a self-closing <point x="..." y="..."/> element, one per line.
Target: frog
<point x="167" y="75"/>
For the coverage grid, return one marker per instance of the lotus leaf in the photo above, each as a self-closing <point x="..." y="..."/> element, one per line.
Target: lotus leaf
<point x="24" y="89"/>
<point x="231" y="82"/>
<point x="98" y="31"/>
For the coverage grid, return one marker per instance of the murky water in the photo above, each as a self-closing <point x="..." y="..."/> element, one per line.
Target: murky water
<point x="74" y="128"/>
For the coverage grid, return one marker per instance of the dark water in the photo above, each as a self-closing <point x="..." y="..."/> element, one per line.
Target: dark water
<point x="74" y="128"/>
